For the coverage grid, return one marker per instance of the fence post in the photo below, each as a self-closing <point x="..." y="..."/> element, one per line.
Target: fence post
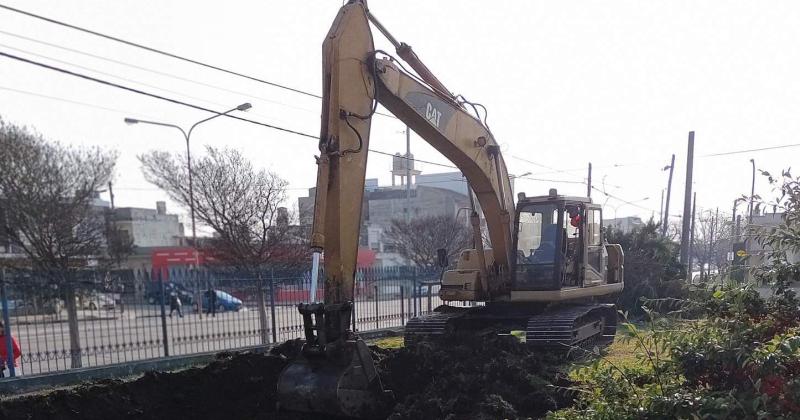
<point x="198" y="293"/>
<point x="163" y="313"/>
<point x="353" y="313"/>
<point x="414" y="288"/>
<point x="262" y="307"/>
<point x="377" y="323"/>
<point x="402" y="306"/>
<point x="272" y="304"/>
<point x="430" y="289"/>
<point x="7" y="322"/>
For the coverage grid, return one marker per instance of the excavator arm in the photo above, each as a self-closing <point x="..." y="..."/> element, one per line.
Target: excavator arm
<point x="355" y="79"/>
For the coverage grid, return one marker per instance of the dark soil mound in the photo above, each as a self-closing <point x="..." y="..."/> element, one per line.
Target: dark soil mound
<point x="466" y="378"/>
<point x="235" y="387"/>
<point x="492" y="377"/>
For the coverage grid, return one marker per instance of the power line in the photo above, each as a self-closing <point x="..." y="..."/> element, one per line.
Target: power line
<point x="278" y="85"/>
<point x="541" y="165"/>
<point x="153" y="71"/>
<point x="105" y="73"/>
<point x="621" y="199"/>
<point x="178" y="102"/>
<point x="157" y="51"/>
<point x="121" y="78"/>
<point x="172" y="75"/>
<point x="56" y="98"/>
<point x="760" y="149"/>
<point x="152" y="95"/>
<point x="186" y="104"/>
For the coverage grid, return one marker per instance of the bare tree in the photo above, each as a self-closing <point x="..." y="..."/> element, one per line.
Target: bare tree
<point x="712" y="235"/>
<point x="47" y="191"/>
<point x="241" y="204"/>
<point x="418" y="239"/>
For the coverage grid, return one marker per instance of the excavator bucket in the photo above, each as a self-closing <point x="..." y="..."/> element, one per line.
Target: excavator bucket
<point x="336" y="378"/>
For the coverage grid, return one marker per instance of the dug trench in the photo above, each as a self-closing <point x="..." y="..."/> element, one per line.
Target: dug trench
<point x="487" y="377"/>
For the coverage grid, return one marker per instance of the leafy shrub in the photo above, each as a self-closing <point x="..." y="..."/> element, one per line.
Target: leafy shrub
<point x="721" y="352"/>
<point x="652" y="269"/>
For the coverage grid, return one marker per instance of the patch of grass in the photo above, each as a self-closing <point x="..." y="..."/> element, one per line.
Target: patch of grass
<point x="389" y="342"/>
<point x="622" y="353"/>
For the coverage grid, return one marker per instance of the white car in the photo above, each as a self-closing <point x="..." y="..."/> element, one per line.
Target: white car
<point x="97" y="301"/>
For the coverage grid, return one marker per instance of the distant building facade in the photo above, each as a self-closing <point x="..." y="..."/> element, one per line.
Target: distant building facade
<point x="624" y="224"/>
<point x="149" y="227"/>
<point x="430" y="195"/>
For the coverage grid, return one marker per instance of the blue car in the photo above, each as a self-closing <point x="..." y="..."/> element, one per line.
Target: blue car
<point x="224" y="301"/>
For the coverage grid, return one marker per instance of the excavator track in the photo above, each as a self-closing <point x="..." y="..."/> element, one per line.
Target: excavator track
<point x="560" y="329"/>
<point x="430" y="326"/>
<point x="572" y="327"/>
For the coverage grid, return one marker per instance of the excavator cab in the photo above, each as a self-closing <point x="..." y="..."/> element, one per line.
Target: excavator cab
<point x="561" y="254"/>
<point x="552" y="234"/>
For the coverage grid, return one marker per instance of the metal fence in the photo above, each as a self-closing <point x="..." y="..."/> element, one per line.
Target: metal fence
<point x="131" y="316"/>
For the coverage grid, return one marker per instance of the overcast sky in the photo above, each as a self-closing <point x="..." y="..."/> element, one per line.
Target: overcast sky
<point x="616" y="83"/>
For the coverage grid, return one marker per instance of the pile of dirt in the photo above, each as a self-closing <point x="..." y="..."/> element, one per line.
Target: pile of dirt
<point x="466" y="378"/>
<point x="237" y="387"/>
<point x="489" y="377"/>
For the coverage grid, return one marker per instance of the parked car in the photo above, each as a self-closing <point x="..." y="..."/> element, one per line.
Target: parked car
<point x="153" y="293"/>
<point x="16" y="305"/>
<point x="224" y="301"/>
<point x="96" y="301"/>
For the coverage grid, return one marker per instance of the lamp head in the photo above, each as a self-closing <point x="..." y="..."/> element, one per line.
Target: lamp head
<point x="244" y="107"/>
<point x="131" y="121"/>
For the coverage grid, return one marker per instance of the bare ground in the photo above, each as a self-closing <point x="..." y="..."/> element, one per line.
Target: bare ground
<point x="466" y="378"/>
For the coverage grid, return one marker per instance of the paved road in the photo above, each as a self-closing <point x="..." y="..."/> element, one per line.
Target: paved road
<point x="115" y="336"/>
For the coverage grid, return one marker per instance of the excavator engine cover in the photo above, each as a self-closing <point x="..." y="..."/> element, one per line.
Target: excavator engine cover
<point x="337" y="378"/>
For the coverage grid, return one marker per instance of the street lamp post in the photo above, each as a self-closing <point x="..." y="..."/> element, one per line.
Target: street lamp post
<point x="187" y="134"/>
<point x="512" y="177"/>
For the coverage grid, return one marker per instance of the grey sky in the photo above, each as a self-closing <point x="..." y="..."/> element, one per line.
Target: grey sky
<point x="614" y="83"/>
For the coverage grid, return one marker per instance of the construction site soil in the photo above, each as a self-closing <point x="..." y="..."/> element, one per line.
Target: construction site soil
<point x="492" y="377"/>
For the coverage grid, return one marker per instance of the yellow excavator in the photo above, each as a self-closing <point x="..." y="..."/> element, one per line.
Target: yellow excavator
<point x="545" y="271"/>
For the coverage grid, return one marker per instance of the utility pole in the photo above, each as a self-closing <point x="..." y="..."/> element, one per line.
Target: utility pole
<point x="733" y="220"/>
<point x="111" y="194"/>
<point x="752" y="194"/>
<point x="691" y="239"/>
<point x="738" y="227"/>
<point x="408" y="174"/>
<point x="749" y="229"/>
<point x="711" y="247"/>
<point x="589" y="182"/>
<point x="665" y="222"/>
<point x="687" y="205"/>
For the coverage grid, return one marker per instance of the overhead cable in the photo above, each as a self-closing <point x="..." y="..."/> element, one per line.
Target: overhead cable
<point x="157" y="51"/>
<point x="152" y="95"/>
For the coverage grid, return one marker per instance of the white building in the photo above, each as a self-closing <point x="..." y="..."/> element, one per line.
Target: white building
<point x="624" y="224"/>
<point x="149" y="227"/>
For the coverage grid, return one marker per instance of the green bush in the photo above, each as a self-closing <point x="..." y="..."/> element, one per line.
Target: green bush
<point x="718" y="353"/>
<point x="652" y="269"/>
<point x="740" y="359"/>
